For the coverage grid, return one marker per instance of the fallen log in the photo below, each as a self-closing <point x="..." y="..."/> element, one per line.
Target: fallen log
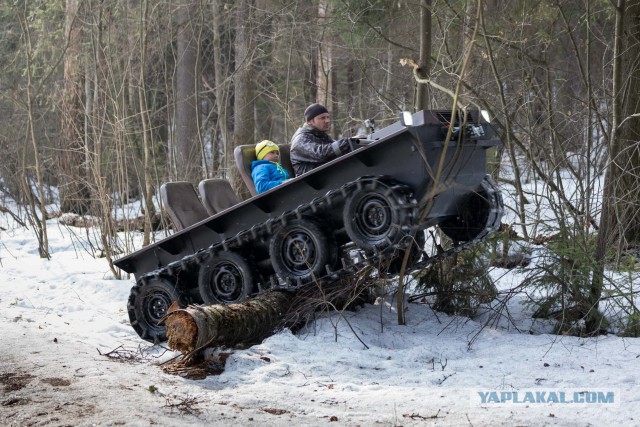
<point x="195" y="328"/>
<point x="198" y="327"/>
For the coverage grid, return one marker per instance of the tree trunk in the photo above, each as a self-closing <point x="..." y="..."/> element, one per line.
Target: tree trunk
<point x="38" y="212"/>
<point x="468" y="37"/>
<point x="219" y="159"/>
<point x="324" y="82"/>
<point x="74" y="192"/>
<point x="247" y="322"/>
<point x="187" y="147"/>
<point x="424" y="65"/>
<point x="97" y="117"/>
<point x="627" y="153"/>
<point x="607" y="230"/>
<point x="244" y="96"/>
<point x="147" y="159"/>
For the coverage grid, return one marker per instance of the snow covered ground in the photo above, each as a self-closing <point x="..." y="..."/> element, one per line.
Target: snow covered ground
<point x="60" y="318"/>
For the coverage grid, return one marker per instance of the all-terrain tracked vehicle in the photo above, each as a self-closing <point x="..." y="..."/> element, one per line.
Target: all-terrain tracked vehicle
<point x="423" y="171"/>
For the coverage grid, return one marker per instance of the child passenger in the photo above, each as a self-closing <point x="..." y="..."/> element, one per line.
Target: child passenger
<point x="266" y="172"/>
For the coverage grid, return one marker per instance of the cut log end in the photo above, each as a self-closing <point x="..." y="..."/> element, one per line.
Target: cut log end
<point x="182" y="331"/>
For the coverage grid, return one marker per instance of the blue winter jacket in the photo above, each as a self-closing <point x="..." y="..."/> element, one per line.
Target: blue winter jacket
<point x="266" y="174"/>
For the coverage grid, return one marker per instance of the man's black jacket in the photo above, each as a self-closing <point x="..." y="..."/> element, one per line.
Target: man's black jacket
<point x="311" y="148"/>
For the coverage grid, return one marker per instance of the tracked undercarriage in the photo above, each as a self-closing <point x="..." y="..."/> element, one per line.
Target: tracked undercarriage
<point x="363" y="208"/>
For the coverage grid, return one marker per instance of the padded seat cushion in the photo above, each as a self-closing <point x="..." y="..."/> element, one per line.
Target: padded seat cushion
<point x="181" y="202"/>
<point x="217" y="195"/>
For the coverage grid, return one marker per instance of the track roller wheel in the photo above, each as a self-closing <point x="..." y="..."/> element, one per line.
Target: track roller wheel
<point x="301" y="251"/>
<point x="374" y="215"/>
<point x="148" y="303"/>
<point x="225" y="278"/>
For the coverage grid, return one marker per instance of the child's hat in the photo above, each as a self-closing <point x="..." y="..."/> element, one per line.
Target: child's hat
<point x="264" y="147"/>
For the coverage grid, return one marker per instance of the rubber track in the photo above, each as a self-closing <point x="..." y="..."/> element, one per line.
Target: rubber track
<point x="265" y="230"/>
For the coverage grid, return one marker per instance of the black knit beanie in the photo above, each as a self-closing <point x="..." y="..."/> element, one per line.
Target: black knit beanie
<point x="313" y="111"/>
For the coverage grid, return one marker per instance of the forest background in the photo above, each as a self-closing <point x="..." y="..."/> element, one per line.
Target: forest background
<point x="104" y="101"/>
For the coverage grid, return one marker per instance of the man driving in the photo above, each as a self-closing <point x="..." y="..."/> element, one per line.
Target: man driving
<point x="311" y="145"/>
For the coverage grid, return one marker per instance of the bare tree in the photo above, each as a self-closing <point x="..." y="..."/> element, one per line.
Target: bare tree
<point x="625" y="149"/>
<point x="146" y="124"/>
<point x="424" y="64"/>
<point x="38" y="213"/>
<point x="324" y="80"/>
<point x="619" y="221"/>
<point x="74" y="191"/>
<point x="187" y="147"/>
<point x="243" y="129"/>
<point x="221" y="92"/>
